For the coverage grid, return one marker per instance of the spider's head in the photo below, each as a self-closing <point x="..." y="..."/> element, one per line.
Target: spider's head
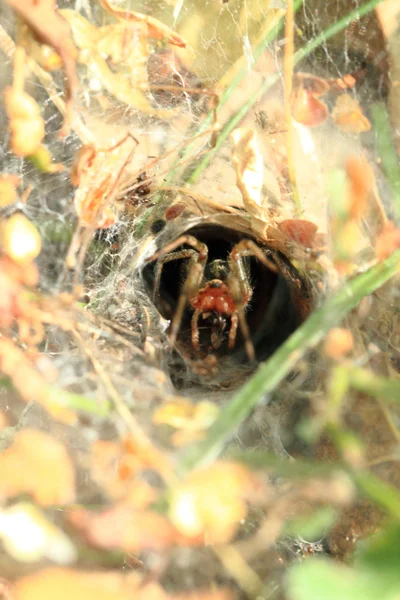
<point x="216" y="269"/>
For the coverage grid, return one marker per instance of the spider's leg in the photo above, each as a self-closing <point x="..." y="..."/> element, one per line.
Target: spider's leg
<point x="233" y="330"/>
<point x="187" y="253"/>
<point x="198" y="255"/>
<point x="244" y="328"/>
<point x="189" y="291"/>
<point x="250" y="248"/>
<point x="190" y="240"/>
<point x="195" y="328"/>
<point x="241" y="290"/>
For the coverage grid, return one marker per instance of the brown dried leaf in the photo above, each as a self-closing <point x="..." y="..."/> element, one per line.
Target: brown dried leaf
<point x="67" y="584"/>
<point x="361" y="182"/>
<point x="155" y="28"/>
<point x="248" y="161"/>
<point x="37" y="464"/>
<point x="388" y="241"/>
<point x="307" y="109"/>
<point x="299" y="230"/>
<point x="97" y="173"/>
<point x="26" y="124"/>
<point x="348" y="115"/>
<point x="29" y="382"/>
<point x="311" y="84"/>
<point x="122" y="527"/>
<point x="8" y="192"/>
<point x="211" y="502"/>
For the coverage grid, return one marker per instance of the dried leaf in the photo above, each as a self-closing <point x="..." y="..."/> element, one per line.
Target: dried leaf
<point x="212" y="502"/>
<point x="181" y="413"/>
<point x="121" y="527"/>
<point x="338" y="343"/>
<point x="348" y="115"/>
<point x="300" y="231"/>
<point x="316" y="86"/>
<point x="361" y="181"/>
<point x="65" y="584"/>
<point x="155" y="28"/>
<point x="388" y="241"/>
<point x="49" y="27"/>
<point x="37" y="464"/>
<point x="307" y="109"/>
<point x="249" y="166"/>
<point x="19" y="239"/>
<point x="97" y="174"/>
<point x="8" y="192"/>
<point x="123" y="85"/>
<point x="26" y="124"/>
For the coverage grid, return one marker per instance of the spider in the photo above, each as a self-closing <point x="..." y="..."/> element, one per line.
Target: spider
<point x="217" y="290"/>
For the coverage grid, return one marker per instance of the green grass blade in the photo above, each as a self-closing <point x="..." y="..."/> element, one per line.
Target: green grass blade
<point x="387" y="151"/>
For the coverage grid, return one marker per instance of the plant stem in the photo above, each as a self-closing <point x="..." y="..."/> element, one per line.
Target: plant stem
<point x="272" y="372"/>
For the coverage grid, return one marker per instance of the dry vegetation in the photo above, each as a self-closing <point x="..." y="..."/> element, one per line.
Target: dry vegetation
<point x="199" y="300"/>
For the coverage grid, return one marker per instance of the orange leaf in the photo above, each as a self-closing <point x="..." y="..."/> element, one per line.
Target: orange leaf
<point x="37" y="464"/>
<point x="156" y="29"/>
<point x="67" y="584"/>
<point x="307" y="109"/>
<point x="361" y="183"/>
<point x="8" y="192"/>
<point x="348" y="116"/>
<point x="124" y="528"/>
<point x="338" y="343"/>
<point x="212" y="501"/>
<point x="299" y="230"/>
<point x="387" y="241"/>
<point x="311" y="84"/>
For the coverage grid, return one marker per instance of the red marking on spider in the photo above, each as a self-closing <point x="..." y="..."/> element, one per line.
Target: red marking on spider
<point x="214" y="296"/>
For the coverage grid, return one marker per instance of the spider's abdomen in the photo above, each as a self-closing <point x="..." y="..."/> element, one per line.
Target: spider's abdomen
<point x="215" y="296"/>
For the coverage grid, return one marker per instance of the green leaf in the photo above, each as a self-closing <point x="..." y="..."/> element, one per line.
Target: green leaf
<point x="313" y="527"/>
<point x="323" y="579"/>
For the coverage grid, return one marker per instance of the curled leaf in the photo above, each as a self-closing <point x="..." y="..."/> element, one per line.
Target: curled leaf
<point x="308" y="110"/>
<point x="348" y="115"/>
<point x="122" y="527"/>
<point x="316" y="86"/>
<point x="249" y="166"/>
<point x="155" y="28"/>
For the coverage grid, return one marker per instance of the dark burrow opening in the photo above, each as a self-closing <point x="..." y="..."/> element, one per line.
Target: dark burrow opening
<point x="272" y="313"/>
